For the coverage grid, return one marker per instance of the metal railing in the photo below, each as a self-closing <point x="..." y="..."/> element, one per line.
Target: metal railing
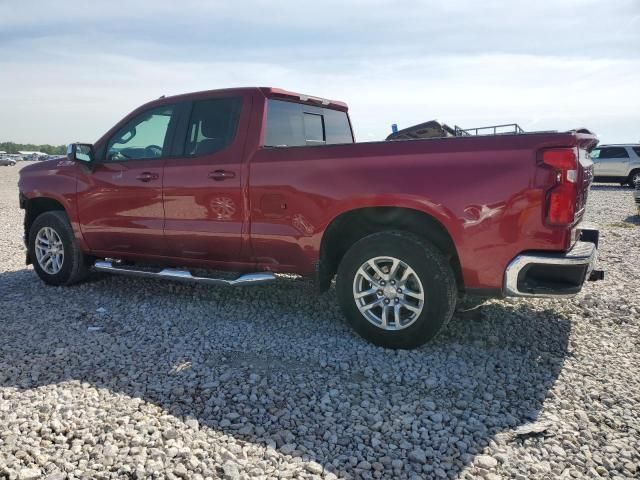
<point x="507" y="129"/>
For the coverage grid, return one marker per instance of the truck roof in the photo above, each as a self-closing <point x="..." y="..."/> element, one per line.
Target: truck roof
<point x="270" y="92"/>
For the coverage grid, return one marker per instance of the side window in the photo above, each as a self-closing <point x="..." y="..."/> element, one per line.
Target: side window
<point x="614" y="152"/>
<point x="212" y="125"/>
<point x="144" y="137"/>
<point x="636" y="150"/>
<point x="595" y="154"/>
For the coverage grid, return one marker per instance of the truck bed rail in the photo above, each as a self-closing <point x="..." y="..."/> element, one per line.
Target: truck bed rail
<point x="506" y="129"/>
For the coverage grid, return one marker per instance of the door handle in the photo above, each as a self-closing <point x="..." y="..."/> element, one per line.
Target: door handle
<point x="221" y="175"/>
<point x="147" y="176"/>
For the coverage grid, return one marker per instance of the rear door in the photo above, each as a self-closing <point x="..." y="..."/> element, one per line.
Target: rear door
<point x="120" y="200"/>
<point x="203" y="199"/>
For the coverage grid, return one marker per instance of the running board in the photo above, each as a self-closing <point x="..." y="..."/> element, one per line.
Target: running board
<point x="184" y="275"/>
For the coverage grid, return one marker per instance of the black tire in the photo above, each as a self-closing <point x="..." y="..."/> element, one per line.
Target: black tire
<point x="433" y="271"/>
<point x="74" y="264"/>
<point x="634" y="177"/>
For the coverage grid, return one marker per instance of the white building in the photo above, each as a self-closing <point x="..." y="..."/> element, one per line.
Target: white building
<point x="29" y="155"/>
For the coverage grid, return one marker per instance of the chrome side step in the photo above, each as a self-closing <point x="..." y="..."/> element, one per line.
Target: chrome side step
<point x="184" y="275"/>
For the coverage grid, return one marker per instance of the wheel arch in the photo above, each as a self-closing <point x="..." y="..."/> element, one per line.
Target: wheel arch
<point x="34" y="207"/>
<point x="631" y="173"/>
<point x="350" y="226"/>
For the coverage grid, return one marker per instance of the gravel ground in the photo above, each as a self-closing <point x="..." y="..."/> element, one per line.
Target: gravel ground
<point x="132" y="378"/>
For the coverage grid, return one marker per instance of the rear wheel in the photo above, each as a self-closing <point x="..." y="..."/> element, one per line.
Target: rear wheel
<point x="56" y="256"/>
<point x="395" y="289"/>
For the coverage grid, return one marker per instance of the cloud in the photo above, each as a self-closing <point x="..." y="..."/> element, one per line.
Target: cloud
<point x="72" y="69"/>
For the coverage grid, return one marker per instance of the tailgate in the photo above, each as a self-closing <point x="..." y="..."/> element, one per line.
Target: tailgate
<point x="585" y="177"/>
<point x="585" y="143"/>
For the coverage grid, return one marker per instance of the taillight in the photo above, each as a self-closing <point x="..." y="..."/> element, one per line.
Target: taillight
<point x="562" y="197"/>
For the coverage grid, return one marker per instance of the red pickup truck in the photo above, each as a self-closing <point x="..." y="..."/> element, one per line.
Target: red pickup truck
<point x="261" y="181"/>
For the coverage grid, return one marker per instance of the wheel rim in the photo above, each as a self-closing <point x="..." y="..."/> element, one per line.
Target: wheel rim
<point x="635" y="178"/>
<point x="49" y="250"/>
<point x="388" y="293"/>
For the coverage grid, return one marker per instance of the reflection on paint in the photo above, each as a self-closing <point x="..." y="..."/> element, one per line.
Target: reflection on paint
<point x="302" y="224"/>
<point x="222" y="208"/>
<point x="476" y="214"/>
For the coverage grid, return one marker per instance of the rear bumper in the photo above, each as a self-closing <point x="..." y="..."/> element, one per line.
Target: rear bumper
<point x="546" y="274"/>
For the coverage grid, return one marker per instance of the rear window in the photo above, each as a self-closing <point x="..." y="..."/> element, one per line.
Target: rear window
<point x="313" y="128"/>
<point x="337" y="127"/>
<point x="294" y="124"/>
<point x="612" y="152"/>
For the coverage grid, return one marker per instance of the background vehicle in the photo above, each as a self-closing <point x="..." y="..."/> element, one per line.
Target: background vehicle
<point x="6" y="161"/>
<point x="262" y="181"/>
<point x="617" y="163"/>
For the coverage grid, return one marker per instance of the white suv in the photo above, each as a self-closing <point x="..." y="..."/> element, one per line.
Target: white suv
<point x="617" y="163"/>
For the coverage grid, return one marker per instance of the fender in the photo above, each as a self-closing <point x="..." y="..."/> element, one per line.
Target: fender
<point x="55" y="180"/>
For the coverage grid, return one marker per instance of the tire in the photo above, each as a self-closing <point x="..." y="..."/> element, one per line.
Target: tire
<point x="634" y="177"/>
<point x="415" y="322"/>
<point x="73" y="265"/>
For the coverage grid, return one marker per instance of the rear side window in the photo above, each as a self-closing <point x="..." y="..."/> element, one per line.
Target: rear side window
<point x="212" y="125"/>
<point x="636" y="150"/>
<point x="613" y="152"/>
<point x="294" y="124"/>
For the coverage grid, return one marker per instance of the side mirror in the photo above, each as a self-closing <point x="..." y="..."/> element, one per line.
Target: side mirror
<point x="80" y="152"/>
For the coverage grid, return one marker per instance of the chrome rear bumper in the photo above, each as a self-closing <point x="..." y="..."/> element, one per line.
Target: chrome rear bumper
<point x="546" y="274"/>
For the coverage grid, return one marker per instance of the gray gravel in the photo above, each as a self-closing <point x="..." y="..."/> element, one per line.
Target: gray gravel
<point x="131" y="378"/>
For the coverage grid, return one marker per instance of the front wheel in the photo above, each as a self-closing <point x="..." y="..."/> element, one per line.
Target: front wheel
<point x="634" y="179"/>
<point x="56" y="256"/>
<point x="395" y="289"/>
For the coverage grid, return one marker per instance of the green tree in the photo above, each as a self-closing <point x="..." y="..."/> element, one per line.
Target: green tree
<point x="12" y="147"/>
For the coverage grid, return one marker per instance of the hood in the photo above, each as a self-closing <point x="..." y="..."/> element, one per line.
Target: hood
<point x="45" y="165"/>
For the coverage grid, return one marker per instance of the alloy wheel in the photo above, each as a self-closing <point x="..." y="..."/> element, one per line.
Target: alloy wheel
<point x="49" y="250"/>
<point x="388" y="293"/>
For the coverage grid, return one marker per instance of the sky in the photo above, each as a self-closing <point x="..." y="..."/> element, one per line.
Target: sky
<point x="69" y="70"/>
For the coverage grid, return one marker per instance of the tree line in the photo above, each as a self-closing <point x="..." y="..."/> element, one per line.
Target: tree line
<point x="11" y="147"/>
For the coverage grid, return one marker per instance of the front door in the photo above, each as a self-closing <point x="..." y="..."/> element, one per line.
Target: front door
<point x="203" y="200"/>
<point x="120" y="201"/>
